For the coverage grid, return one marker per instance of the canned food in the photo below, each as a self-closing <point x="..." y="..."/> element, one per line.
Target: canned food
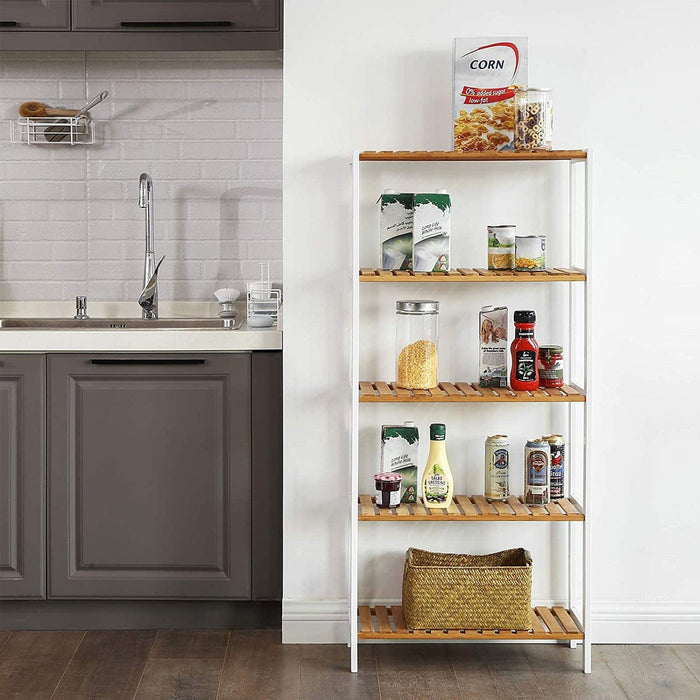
<point x="550" y="363"/>
<point x="530" y="253"/>
<point x="501" y="247"/>
<point x="537" y="472"/>
<point x="497" y="486"/>
<point x="556" y="468"/>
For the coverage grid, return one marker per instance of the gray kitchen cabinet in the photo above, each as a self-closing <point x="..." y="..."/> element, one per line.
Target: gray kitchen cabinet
<point x="22" y="476"/>
<point x="175" y="15"/>
<point x="150" y="476"/>
<point x="34" y="15"/>
<point x="141" y="25"/>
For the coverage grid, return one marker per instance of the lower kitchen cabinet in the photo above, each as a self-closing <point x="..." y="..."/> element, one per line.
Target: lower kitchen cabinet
<point x="22" y="476"/>
<point x="150" y="476"/>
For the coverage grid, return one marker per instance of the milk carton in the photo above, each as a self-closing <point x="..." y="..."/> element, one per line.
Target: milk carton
<point x="486" y="72"/>
<point x="400" y="455"/>
<point x="493" y="346"/>
<point x="431" y="232"/>
<point x="396" y="230"/>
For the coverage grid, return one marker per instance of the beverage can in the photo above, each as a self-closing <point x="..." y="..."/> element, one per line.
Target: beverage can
<point x="556" y="469"/>
<point x="497" y="487"/>
<point x="537" y="477"/>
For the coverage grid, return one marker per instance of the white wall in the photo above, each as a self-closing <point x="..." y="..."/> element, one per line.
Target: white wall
<point x="378" y="76"/>
<point x="207" y="126"/>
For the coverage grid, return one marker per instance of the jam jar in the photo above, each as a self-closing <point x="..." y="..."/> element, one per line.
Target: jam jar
<point x="387" y="487"/>
<point x="550" y="362"/>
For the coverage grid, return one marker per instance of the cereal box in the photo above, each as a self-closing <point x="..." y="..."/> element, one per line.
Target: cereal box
<point x="400" y="455"/>
<point x="396" y="230"/>
<point x="493" y="346"/>
<point x="431" y="232"/>
<point x="486" y="72"/>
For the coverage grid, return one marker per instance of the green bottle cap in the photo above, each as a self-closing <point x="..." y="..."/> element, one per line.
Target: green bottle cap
<point x="437" y="431"/>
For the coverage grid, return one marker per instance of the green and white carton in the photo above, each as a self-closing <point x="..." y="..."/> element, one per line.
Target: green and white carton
<point x="400" y="456"/>
<point x="431" y="231"/>
<point x="396" y="230"/>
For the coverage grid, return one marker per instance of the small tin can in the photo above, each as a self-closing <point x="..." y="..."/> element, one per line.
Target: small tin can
<point x="501" y="254"/>
<point x="550" y="363"/>
<point x="556" y="465"/>
<point x="387" y="490"/>
<point x="497" y="461"/>
<point x="530" y="253"/>
<point x="537" y="472"/>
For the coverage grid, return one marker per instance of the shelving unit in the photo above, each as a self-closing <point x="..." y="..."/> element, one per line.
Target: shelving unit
<point x="557" y="623"/>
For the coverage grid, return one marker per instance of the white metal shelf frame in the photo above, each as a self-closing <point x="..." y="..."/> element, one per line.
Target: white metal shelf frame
<point x="580" y="222"/>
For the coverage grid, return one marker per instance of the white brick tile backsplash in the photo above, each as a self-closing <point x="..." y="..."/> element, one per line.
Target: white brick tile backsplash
<point x="205" y="125"/>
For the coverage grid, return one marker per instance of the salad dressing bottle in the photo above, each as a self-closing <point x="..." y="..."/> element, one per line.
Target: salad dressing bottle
<point x="438" y="485"/>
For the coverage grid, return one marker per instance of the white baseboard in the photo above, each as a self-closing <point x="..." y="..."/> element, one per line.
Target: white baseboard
<point x="614" y="622"/>
<point x="617" y="622"/>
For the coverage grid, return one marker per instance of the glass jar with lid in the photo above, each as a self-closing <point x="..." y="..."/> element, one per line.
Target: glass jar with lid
<point x="417" y="343"/>
<point x="533" y="119"/>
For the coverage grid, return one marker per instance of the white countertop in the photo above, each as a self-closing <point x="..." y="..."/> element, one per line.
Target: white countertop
<point x="131" y="340"/>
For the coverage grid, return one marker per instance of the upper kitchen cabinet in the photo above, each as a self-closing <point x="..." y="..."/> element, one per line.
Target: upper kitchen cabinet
<point x="141" y="25"/>
<point x="34" y="15"/>
<point x="175" y="15"/>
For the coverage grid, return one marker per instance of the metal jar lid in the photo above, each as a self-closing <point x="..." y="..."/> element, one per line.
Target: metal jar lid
<point x="556" y="349"/>
<point x="418" y="306"/>
<point x="387" y="476"/>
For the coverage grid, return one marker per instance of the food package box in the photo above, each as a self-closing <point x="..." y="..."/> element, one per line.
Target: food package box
<point x="486" y="73"/>
<point x="431" y="232"/>
<point x="396" y="230"/>
<point x="493" y="346"/>
<point x="400" y="455"/>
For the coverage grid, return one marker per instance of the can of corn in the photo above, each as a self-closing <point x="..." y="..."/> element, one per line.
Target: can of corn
<point x="530" y="253"/>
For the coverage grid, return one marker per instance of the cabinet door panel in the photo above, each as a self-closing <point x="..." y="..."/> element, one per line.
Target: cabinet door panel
<point x="176" y="15"/>
<point x="150" y="477"/>
<point x="16" y="15"/>
<point x="22" y="476"/>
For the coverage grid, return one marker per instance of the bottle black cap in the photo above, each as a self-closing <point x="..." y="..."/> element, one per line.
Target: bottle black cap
<point x="523" y="316"/>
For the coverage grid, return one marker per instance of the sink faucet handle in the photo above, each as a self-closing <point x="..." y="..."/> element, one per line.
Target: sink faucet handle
<point x="81" y="308"/>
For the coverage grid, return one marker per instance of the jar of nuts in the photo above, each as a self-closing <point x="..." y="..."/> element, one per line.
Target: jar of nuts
<point x="417" y="343"/>
<point x="533" y="119"/>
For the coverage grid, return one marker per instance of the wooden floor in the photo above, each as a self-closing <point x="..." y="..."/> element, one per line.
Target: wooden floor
<point x="253" y="664"/>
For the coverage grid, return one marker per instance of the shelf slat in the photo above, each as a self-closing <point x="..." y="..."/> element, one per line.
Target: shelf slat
<point x="546" y="624"/>
<point x="474" y="508"/>
<point x="472" y="155"/>
<point x="476" y="274"/>
<point x="385" y="392"/>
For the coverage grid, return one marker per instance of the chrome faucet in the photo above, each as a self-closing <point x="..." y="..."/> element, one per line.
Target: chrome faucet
<point x="148" y="299"/>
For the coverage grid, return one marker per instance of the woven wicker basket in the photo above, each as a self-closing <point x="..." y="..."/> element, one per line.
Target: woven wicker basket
<point x="464" y="591"/>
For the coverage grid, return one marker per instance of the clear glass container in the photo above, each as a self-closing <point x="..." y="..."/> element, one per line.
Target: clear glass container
<point x="533" y="119"/>
<point x="417" y="343"/>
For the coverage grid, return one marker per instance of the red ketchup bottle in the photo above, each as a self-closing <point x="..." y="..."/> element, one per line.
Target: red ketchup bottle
<point x="524" y="375"/>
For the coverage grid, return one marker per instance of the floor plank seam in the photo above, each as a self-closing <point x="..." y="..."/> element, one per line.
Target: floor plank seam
<point x="682" y="660"/>
<point x="603" y="660"/>
<point x="145" y="663"/>
<point x="75" y="651"/>
<point x="2" y="646"/>
<point x="223" y="663"/>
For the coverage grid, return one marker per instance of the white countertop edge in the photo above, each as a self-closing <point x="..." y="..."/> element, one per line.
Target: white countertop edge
<point x="164" y="340"/>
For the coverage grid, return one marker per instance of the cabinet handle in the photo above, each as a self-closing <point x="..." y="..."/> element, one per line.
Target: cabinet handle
<point x="147" y="361"/>
<point x="7" y="23"/>
<point x="177" y="24"/>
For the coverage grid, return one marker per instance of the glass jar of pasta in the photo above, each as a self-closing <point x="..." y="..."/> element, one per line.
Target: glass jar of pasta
<point x="533" y="119"/>
<point x="417" y="343"/>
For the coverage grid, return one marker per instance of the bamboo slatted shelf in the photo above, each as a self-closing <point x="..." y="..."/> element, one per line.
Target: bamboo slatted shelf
<point x="473" y="274"/>
<point x="385" y="392"/>
<point x="475" y="508"/>
<point x="382" y="622"/>
<point x="494" y="156"/>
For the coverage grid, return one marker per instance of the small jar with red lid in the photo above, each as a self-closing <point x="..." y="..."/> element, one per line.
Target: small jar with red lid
<point x="550" y="363"/>
<point x="387" y="487"/>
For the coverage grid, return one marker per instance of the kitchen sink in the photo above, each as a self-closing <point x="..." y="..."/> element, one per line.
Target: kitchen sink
<point x="51" y="324"/>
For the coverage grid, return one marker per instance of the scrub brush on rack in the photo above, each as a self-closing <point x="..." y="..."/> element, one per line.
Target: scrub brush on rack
<point x="226" y="298"/>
